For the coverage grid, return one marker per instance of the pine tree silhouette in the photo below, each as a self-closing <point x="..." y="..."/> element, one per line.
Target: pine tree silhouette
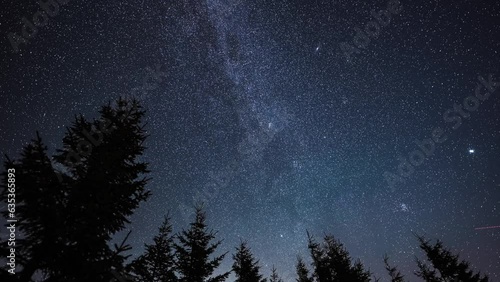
<point x="332" y="262"/>
<point x="274" y="275"/>
<point x="445" y="266"/>
<point x="302" y="271"/>
<point x="40" y="206"/>
<point x="245" y="267"/>
<point x="118" y="267"/>
<point x="157" y="263"/>
<point x="193" y="252"/>
<point x="68" y="218"/>
<point x="107" y="185"/>
<point x="395" y="275"/>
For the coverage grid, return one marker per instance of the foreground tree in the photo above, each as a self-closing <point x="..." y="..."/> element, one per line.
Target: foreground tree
<point x="274" y="275"/>
<point x="302" y="271"/>
<point x="245" y="266"/>
<point x="157" y="263"/>
<point x="107" y="185"/>
<point x="332" y="262"/>
<point x="444" y="266"/>
<point x="39" y="209"/>
<point x="194" y="251"/>
<point x="67" y="218"/>
<point x="395" y="275"/>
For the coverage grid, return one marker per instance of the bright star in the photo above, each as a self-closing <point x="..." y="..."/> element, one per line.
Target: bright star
<point x="404" y="207"/>
<point x="471" y="151"/>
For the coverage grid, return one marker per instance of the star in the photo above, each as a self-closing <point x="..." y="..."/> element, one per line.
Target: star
<point x="404" y="207"/>
<point x="471" y="151"/>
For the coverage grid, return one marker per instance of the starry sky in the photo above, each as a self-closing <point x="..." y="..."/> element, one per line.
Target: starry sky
<point x="283" y="116"/>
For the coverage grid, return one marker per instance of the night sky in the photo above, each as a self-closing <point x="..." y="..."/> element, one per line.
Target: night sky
<point x="284" y="116"/>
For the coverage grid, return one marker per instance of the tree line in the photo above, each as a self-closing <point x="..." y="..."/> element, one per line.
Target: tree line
<point x="69" y="207"/>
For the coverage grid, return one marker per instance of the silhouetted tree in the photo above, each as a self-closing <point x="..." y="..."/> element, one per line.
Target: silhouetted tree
<point x="118" y="269"/>
<point x="194" y="250"/>
<point x="245" y="266"/>
<point x="445" y="266"/>
<point x="274" y="275"/>
<point x="39" y="208"/>
<point x="107" y="185"/>
<point x="157" y="264"/>
<point x="302" y="271"/>
<point x="394" y="273"/>
<point x="67" y="218"/>
<point x="332" y="262"/>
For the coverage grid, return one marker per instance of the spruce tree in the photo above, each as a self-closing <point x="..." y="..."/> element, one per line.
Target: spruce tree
<point x="245" y="267"/>
<point x="332" y="262"/>
<point x="394" y="273"/>
<point x="274" y="275"/>
<point x="39" y="208"/>
<point x="157" y="263"/>
<point x="444" y="266"/>
<point x="107" y="184"/>
<point x="321" y="269"/>
<point x="194" y="251"/>
<point x="302" y="271"/>
<point x="67" y="218"/>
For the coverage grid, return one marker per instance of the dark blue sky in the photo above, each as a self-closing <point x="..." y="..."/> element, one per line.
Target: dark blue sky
<point x="255" y="109"/>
